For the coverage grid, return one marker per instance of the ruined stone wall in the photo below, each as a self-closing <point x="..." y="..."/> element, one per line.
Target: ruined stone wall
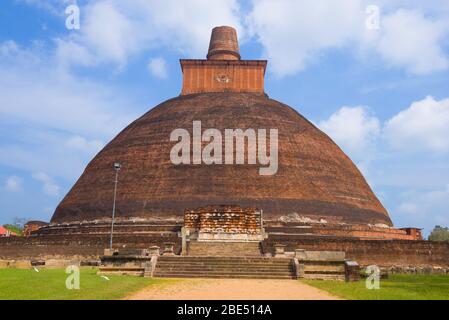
<point x="367" y="252"/>
<point x="225" y="219"/>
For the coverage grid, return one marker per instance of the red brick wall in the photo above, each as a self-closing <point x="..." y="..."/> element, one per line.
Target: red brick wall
<point x="367" y="252"/>
<point x="201" y="76"/>
<point x="71" y="245"/>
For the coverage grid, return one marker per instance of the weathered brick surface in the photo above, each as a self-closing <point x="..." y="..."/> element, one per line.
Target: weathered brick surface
<point x="315" y="178"/>
<point x="201" y="76"/>
<point x="227" y="219"/>
<point x="223" y="44"/>
<point x="228" y="249"/>
<point x="33" y="226"/>
<point x="367" y="232"/>
<point x="223" y="71"/>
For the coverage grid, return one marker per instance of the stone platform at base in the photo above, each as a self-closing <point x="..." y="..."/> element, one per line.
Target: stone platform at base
<point x="297" y="265"/>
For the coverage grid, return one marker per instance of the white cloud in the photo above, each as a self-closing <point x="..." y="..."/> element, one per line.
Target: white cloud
<point x="424" y="126"/>
<point x="82" y="144"/>
<point x="158" y="68"/>
<point x="49" y="115"/>
<point x="49" y="186"/>
<point x="410" y="40"/>
<point x="426" y="208"/>
<point x="353" y="128"/>
<point x="54" y="98"/>
<point x="295" y="34"/>
<point x="72" y="53"/>
<point x="14" y="183"/>
<point x="408" y="208"/>
<point x="113" y="31"/>
<point x="108" y="33"/>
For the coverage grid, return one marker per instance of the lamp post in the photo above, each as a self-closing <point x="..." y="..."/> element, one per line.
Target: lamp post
<point x="117" y="167"/>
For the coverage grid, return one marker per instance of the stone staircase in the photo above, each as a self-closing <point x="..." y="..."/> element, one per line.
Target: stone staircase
<point x="322" y="265"/>
<point x="224" y="249"/>
<point x="224" y="267"/>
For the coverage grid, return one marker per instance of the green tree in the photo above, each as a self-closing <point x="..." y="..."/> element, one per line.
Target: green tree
<point x="439" y="234"/>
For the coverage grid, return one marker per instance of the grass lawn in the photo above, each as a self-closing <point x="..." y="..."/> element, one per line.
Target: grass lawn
<point x="17" y="284"/>
<point x="397" y="287"/>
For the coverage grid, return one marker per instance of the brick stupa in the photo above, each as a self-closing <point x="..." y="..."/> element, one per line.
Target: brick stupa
<point x="316" y="184"/>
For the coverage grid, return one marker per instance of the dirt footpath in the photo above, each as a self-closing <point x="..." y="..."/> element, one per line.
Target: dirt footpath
<point x="232" y="289"/>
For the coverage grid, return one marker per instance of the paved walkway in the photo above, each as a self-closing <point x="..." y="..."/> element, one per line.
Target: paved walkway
<point x="232" y="289"/>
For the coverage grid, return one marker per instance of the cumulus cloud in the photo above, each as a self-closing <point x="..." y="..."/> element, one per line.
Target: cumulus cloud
<point x="294" y="34"/>
<point x="410" y="40"/>
<point x="158" y="68"/>
<point x="353" y="128"/>
<point x="54" y="121"/>
<point x="113" y="31"/>
<point x="424" y="126"/>
<point x="14" y="183"/>
<point x="55" y="99"/>
<point x="48" y="184"/>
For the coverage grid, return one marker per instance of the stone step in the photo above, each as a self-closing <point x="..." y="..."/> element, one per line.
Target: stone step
<point x="228" y="262"/>
<point x="231" y="276"/>
<point x="216" y="258"/>
<point x="226" y="267"/>
<point x="226" y="270"/>
<point x="217" y="273"/>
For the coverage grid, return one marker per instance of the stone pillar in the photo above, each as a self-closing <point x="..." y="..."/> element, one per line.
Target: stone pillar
<point x="352" y="271"/>
<point x="150" y="266"/>
<point x="279" y="250"/>
<point x="154" y="251"/>
<point x="184" y="235"/>
<point x="168" y="250"/>
<point x="299" y="268"/>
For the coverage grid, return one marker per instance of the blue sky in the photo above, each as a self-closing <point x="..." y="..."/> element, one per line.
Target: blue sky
<point x="381" y="93"/>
